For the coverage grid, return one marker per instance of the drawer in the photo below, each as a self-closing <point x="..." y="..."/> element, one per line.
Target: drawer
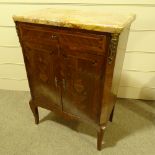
<point x="83" y="42"/>
<point x="70" y="39"/>
<point x="37" y="35"/>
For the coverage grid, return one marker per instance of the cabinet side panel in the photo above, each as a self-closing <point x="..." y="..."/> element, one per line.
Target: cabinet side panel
<point x="17" y="24"/>
<point x="112" y="78"/>
<point x="123" y="38"/>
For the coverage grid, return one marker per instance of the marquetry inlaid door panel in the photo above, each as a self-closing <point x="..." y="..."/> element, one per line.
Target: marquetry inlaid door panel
<point x="82" y="76"/>
<point x="42" y="70"/>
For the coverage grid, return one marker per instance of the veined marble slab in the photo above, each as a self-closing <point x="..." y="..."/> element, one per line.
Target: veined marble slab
<point x="78" y="18"/>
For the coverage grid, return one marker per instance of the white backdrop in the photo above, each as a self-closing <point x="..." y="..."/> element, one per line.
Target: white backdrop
<point x="138" y="75"/>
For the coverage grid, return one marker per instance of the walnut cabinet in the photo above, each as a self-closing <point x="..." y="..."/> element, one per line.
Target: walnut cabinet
<point x="71" y="72"/>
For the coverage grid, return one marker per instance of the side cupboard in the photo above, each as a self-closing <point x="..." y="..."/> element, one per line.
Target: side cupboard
<point x="74" y="62"/>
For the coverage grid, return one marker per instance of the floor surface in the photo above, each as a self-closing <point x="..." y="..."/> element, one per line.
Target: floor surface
<point x="131" y="133"/>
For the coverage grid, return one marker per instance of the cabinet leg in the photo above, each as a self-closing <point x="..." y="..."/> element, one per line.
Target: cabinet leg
<point x="100" y="135"/>
<point x="34" y="109"/>
<point x="111" y="115"/>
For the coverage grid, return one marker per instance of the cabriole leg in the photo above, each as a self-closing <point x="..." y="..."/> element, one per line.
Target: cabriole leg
<point x="34" y="109"/>
<point x="100" y="135"/>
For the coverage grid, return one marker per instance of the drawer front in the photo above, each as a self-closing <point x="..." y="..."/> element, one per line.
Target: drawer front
<point x="69" y="39"/>
<point x="38" y="35"/>
<point x="84" y="43"/>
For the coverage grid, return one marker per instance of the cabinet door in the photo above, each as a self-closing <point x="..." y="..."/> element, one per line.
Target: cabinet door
<point x="82" y="80"/>
<point x="42" y="70"/>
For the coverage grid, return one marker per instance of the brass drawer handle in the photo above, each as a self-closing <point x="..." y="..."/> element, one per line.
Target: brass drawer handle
<point x="53" y="36"/>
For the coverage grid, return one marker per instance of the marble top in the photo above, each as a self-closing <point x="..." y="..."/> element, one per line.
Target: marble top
<point x="78" y="18"/>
